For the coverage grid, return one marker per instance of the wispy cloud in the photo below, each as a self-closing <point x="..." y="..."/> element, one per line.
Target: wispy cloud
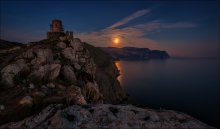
<point x="136" y="35"/>
<point x="129" y="18"/>
<point x="129" y="36"/>
<point x="154" y="25"/>
<point x="179" y="25"/>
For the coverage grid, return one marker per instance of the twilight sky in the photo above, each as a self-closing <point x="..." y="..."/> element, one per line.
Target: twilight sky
<point x="183" y="28"/>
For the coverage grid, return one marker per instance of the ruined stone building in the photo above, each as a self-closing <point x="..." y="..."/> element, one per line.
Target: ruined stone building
<point x="57" y="30"/>
<point x="56" y="26"/>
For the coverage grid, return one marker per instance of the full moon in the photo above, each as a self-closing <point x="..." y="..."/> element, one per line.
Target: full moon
<point x="116" y="40"/>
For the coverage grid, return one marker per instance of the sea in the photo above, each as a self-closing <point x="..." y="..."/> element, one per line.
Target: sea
<point x="186" y="85"/>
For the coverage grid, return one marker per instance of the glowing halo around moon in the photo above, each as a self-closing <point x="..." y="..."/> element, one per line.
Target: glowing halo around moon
<point x="116" y="41"/>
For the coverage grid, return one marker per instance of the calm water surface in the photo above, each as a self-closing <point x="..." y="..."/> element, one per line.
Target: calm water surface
<point x="187" y="85"/>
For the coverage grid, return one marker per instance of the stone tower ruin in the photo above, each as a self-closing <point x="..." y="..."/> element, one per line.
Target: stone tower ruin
<point x="56" y="26"/>
<point x="57" y="30"/>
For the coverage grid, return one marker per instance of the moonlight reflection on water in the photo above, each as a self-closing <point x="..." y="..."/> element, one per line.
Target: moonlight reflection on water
<point x="118" y="65"/>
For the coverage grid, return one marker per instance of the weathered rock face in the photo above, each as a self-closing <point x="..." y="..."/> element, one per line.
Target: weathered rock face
<point x="55" y="71"/>
<point x="68" y="73"/>
<point x="92" y="93"/>
<point x="10" y="71"/>
<point x="42" y="56"/>
<point x="49" y="71"/>
<point x="75" y="95"/>
<point x="69" y="53"/>
<point x="106" y="116"/>
<point x="61" y="45"/>
<point x="106" y="74"/>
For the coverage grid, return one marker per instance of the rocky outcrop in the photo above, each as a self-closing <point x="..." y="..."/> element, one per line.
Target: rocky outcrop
<point x="61" y="45"/>
<point x="70" y="54"/>
<point x="10" y="71"/>
<point x="106" y="116"/>
<point x="92" y="93"/>
<point x="75" y="95"/>
<point x="106" y="74"/>
<point x="48" y="71"/>
<point x="69" y="74"/>
<point x="42" y="56"/>
<point x="56" y="71"/>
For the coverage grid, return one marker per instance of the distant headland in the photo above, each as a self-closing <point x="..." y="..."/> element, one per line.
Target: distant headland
<point x="133" y="53"/>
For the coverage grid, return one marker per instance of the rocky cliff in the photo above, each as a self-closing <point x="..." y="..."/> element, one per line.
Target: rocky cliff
<point x="55" y="70"/>
<point x="133" y="53"/>
<point x="61" y="83"/>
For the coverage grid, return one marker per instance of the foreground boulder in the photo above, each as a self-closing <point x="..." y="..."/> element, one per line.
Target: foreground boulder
<point x="9" y="72"/>
<point x="106" y="116"/>
<point x="69" y="74"/>
<point x="49" y="71"/>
